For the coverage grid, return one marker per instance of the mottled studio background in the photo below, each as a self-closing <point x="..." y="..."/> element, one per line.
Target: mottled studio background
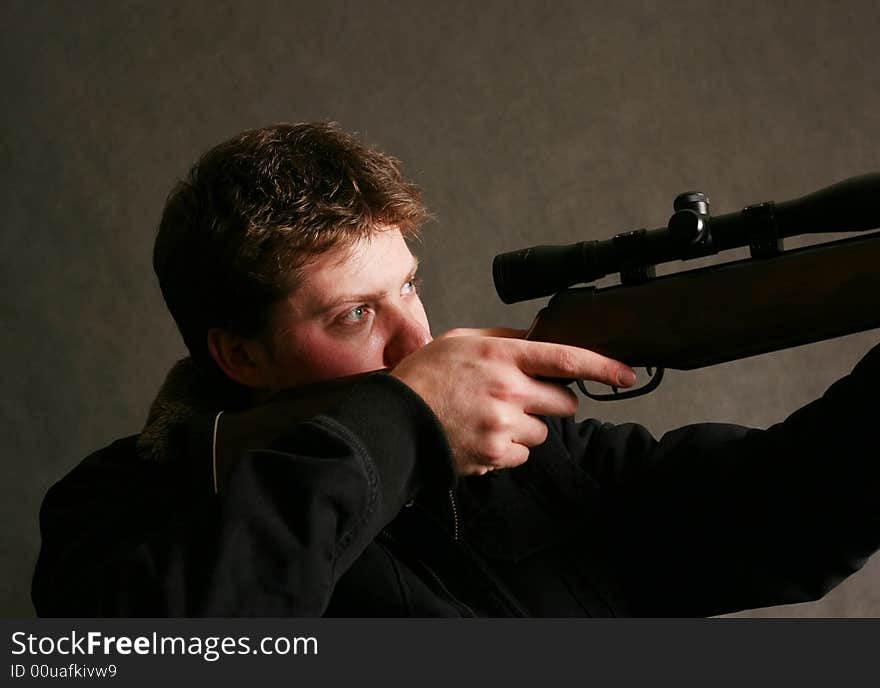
<point x="526" y="122"/>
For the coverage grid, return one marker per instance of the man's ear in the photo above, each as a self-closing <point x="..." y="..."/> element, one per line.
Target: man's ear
<point x="241" y="359"/>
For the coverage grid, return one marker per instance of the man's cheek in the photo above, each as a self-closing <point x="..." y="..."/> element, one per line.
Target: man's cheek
<point x="336" y="361"/>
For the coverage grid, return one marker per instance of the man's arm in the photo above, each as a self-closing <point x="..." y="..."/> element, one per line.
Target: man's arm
<point x="715" y="518"/>
<point x="129" y="538"/>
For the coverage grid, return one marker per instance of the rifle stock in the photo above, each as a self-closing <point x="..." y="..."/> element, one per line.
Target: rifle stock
<point x="724" y="312"/>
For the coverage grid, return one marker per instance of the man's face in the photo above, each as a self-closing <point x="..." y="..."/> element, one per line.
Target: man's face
<point x="356" y="309"/>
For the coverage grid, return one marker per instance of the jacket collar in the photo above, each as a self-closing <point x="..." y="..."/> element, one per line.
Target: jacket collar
<point x="186" y="392"/>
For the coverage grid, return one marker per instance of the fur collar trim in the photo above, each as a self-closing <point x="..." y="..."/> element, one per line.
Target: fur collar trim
<point x="186" y="392"/>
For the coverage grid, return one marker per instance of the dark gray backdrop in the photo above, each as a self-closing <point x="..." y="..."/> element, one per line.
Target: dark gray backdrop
<point x="526" y="122"/>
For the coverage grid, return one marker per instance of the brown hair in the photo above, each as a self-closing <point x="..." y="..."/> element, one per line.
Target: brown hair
<point x="253" y="210"/>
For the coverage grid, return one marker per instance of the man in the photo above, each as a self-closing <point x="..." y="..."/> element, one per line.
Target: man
<point x="454" y="484"/>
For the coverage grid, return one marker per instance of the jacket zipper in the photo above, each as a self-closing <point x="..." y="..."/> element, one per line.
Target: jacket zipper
<point x="507" y="597"/>
<point x="454" y="515"/>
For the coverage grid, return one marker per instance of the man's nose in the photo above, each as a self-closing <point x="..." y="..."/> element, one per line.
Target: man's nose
<point x="411" y="334"/>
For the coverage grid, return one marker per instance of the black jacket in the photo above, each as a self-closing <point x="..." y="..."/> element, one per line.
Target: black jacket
<point x="358" y="513"/>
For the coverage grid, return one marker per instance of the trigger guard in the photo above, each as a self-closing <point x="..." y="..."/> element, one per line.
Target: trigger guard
<point x="630" y="393"/>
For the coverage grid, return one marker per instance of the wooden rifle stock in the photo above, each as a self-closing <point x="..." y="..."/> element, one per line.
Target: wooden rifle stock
<point x="724" y="312"/>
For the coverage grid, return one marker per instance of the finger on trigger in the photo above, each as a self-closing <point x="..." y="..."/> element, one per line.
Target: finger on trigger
<point x="550" y="360"/>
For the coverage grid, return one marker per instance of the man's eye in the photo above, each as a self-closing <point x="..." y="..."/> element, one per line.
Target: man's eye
<point x="412" y="285"/>
<point x="357" y="315"/>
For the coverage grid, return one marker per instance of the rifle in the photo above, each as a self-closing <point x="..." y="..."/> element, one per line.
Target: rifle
<point x="774" y="300"/>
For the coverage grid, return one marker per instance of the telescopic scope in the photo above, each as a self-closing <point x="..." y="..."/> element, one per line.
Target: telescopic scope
<point x="852" y="205"/>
